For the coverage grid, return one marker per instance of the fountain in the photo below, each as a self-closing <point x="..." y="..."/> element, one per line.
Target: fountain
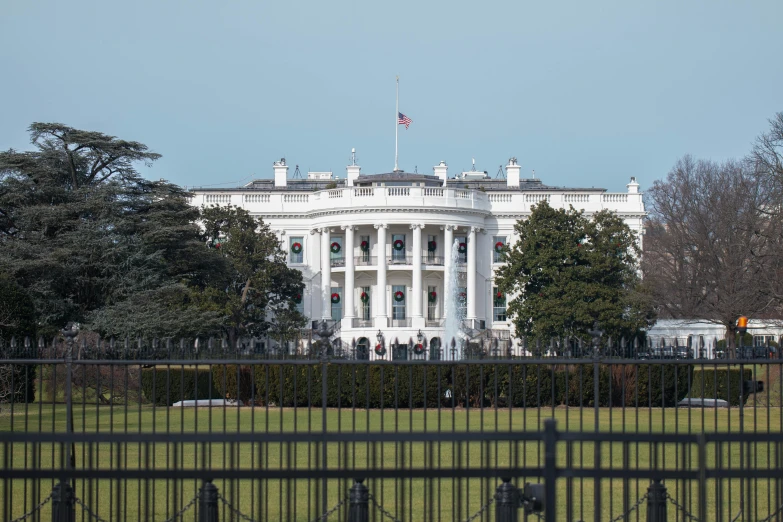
<point x="453" y="337"/>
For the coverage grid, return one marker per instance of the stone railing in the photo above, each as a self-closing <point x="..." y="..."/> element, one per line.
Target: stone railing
<point x="348" y="198"/>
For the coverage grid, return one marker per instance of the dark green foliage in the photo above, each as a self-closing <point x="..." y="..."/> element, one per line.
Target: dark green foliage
<point x="17" y="313"/>
<point x="90" y="240"/>
<point x="258" y="291"/>
<point x="164" y="386"/>
<point x="233" y="382"/>
<point x="360" y="386"/>
<point x="459" y="385"/>
<point x="720" y="383"/>
<point x="569" y="271"/>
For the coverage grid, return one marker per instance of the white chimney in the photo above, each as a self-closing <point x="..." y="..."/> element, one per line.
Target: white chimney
<point x="633" y="186"/>
<point x="512" y="173"/>
<point x="281" y="172"/>
<point x="352" y="171"/>
<point x="441" y="170"/>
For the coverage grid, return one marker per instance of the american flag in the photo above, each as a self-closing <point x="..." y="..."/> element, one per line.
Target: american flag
<point x="403" y="120"/>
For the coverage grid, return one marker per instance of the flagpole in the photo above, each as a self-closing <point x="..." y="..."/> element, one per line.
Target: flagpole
<point x="396" y="124"/>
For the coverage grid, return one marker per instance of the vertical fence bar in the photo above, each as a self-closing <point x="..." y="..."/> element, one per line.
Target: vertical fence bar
<point x="550" y="473"/>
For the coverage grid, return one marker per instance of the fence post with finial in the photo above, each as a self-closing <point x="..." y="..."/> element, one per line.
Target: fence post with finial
<point x="359" y="502"/>
<point x="63" y="506"/>
<point x="656" y="502"/>
<point x="208" y="502"/>
<point x="507" y="502"/>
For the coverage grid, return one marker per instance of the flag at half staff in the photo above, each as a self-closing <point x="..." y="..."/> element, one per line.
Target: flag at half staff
<point x="403" y="120"/>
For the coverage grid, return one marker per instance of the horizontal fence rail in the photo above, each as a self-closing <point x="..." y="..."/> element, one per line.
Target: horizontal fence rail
<point x="149" y="430"/>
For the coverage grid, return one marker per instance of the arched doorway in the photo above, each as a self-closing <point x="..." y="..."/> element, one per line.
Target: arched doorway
<point x="363" y="349"/>
<point x="435" y="349"/>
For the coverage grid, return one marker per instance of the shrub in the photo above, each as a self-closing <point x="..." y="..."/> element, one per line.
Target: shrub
<point x="17" y="383"/>
<point x="233" y="382"/>
<point x="165" y="386"/>
<point x="720" y="383"/>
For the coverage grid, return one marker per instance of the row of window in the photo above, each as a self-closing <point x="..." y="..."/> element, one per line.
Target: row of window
<point x="398" y="304"/>
<point x="296" y="248"/>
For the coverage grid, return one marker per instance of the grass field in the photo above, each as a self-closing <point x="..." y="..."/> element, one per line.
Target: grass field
<point x="409" y="499"/>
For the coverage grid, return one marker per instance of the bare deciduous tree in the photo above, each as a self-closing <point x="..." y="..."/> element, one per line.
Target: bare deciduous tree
<point x="708" y="244"/>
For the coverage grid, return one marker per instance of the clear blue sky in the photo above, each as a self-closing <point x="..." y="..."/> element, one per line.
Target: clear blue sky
<point x="585" y="93"/>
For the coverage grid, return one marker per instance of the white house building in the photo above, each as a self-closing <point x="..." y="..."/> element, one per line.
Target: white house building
<point x="376" y="250"/>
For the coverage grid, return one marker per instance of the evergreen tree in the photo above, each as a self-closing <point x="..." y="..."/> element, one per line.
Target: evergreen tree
<point x="93" y="242"/>
<point x="259" y="293"/>
<point x="567" y="271"/>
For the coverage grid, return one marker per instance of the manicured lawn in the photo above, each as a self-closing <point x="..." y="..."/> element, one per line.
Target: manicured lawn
<point x="444" y="499"/>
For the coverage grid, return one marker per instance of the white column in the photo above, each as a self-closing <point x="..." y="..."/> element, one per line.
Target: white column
<point x="349" y="310"/>
<point x="417" y="317"/>
<point x="326" y="274"/>
<point x="471" y="290"/>
<point x="381" y="317"/>
<point x="448" y="244"/>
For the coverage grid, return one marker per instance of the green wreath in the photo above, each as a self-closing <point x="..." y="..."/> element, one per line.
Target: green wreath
<point x="335" y="298"/>
<point x="365" y="246"/>
<point x="433" y="297"/>
<point x="335" y="247"/>
<point x="399" y="296"/>
<point x="365" y="297"/>
<point x="296" y="248"/>
<point x="499" y="246"/>
<point x="462" y="248"/>
<point x="432" y="246"/>
<point x="399" y="244"/>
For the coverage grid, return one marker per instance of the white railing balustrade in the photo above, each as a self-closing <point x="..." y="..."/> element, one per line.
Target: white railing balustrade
<point x="296" y="198"/>
<point x="363" y="192"/>
<point x="335" y="194"/>
<point x="462" y="194"/>
<point x="217" y="198"/>
<point x="399" y="191"/>
<point x="576" y="198"/>
<point x="257" y="198"/>
<point x="500" y="198"/>
<point x="537" y="198"/>
<point x="433" y="192"/>
<point x="614" y="198"/>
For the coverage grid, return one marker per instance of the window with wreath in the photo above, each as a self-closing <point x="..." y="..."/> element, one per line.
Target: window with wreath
<point x="432" y="248"/>
<point x="499" y="243"/>
<point x="398" y="302"/>
<point x="432" y="303"/>
<point x="398" y="247"/>
<point x="364" y="248"/>
<point x="336" y="251"/>
<point x="337" y="303"/>
<point x="364" y="299"/>
<point x="462" y="249"/>
<point x="299" y="300"/>
<point x="462" y="302"/>
<point x="498" y="304"/>
<point x="296" y="249"/>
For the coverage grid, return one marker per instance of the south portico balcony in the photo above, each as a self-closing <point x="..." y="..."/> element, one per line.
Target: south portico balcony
<point x="391" y="261"/>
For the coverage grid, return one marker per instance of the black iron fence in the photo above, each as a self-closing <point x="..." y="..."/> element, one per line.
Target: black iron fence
<point x="93" y="430"/>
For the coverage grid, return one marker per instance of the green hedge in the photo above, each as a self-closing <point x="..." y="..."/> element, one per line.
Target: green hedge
<point x="416" y="386"/>
<point x="720" y="383"/>
<point x="164" y="386"/>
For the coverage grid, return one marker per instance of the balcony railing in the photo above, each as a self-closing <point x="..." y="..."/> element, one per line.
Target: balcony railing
<point x="432" y="260"/>
<point x="401" y="323"/>
<point x="365" y="261"/>
<point x="361" y="323"/>
<point x="434" y="323"/>
<point x="400" y="260"/>
<point x="338" y="261"/>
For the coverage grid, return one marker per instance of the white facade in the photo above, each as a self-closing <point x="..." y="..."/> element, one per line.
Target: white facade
<point x="378" y="210"/>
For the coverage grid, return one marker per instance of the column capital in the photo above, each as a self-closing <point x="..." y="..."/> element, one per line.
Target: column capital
<point x="348" y="227"/>
<point x="478" y="229"/>
<point x="449" y="227"/>
<point x="314" y="231"/>
<point x="380" y="225"/>
<point x="414" y="226"/>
